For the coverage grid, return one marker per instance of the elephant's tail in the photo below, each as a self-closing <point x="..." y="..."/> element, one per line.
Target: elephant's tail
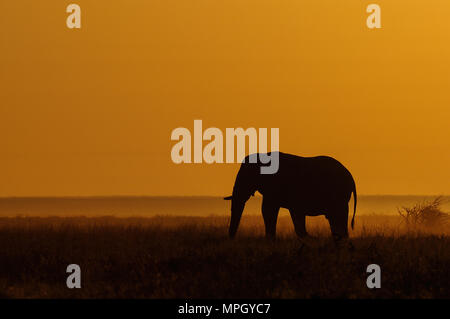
<point x="354" y="206"/>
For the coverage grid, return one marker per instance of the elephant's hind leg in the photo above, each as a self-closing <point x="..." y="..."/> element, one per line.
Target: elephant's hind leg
<point x="298" y="218"/>
<point x="270" y="214"/>
<point x="338" y="219"/>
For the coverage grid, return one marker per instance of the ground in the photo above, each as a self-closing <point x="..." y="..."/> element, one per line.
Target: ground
<point x="191" y="257"/>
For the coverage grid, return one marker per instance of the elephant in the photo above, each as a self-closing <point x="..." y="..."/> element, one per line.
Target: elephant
<point x="306" y="186"/>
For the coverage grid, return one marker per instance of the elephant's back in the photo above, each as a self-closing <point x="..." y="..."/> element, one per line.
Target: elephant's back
<point x="317" y="164"/>
<point x="319" y="172"/>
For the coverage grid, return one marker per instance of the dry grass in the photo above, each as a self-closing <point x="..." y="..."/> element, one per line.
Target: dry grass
<point x="191" y="257"/>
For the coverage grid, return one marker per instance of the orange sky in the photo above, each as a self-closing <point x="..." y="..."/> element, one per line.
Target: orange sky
<point x="90" y="111"/>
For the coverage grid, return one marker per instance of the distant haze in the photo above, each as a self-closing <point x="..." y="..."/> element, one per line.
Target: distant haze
<point x="175" y="206"/>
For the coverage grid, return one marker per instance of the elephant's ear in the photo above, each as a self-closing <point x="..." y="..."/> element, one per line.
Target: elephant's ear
<point x="228" y="198"/>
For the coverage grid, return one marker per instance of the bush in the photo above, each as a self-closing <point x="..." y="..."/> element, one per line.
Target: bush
<point x="428" y="214"/>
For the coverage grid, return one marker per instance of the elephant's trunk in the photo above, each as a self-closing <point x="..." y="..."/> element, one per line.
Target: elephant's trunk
<point x="244" y="187"/>
<point x="237" y="207"/>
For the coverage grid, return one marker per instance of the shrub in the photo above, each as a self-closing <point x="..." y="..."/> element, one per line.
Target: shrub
<point x="428" y="214"/>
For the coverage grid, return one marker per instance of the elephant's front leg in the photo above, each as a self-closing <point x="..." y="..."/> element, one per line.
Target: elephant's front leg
<point x="298" y="218"/>
<point x="270" y="214"/>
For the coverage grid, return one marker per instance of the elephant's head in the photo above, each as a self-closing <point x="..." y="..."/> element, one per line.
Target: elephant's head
<point x="245" y="186"/>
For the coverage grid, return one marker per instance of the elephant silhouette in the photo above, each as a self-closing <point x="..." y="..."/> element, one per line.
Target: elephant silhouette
<point x="306" y="186"/>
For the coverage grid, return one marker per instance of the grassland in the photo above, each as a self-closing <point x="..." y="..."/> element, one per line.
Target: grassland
<point x="191" y="257"/>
